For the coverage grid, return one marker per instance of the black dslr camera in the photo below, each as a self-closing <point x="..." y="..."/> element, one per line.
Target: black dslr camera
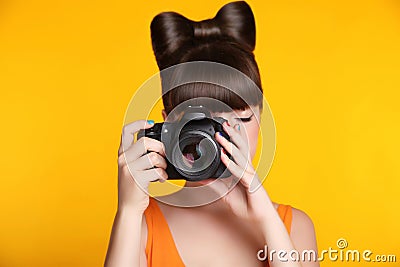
<point x="192" y="153"/>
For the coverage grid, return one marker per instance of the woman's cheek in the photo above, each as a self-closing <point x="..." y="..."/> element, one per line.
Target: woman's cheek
<point x="252" y="137"/>
<point x="254" y="142"/>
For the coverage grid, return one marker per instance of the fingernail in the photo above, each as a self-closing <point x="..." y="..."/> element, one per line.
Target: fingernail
<point x="150" y="121"/>
<point x="227" y="123"/>
<point x="238" y="127"/>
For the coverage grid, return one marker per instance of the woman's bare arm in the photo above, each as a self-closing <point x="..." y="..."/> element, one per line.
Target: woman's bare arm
<point x="126" y="247"/>
<point x="139" y="163"/>
<point x="249" y="200"/>
<point x="301" y="239"/>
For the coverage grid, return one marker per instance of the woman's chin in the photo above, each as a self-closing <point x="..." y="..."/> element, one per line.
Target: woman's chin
<point x="201" y="182"/>
<point x="207" y="181"/>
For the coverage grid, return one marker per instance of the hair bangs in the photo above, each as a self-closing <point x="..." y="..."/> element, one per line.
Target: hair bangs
<point x="215" y="98"/>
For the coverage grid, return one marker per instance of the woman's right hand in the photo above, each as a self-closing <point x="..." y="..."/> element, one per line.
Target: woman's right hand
<point x="139" y="163"/>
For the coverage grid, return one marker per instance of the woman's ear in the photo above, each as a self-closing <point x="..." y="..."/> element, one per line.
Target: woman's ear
<point x="164" y="114"/>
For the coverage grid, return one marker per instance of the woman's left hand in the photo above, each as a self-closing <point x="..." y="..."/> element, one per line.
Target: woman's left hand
<point x="248" y="198"/>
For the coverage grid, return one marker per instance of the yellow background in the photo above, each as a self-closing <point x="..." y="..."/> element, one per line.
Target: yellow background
<point x="68" y="69"/>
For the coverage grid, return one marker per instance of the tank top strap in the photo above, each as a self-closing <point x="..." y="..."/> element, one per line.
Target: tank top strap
<point x="160" y="247"/>
<point x="285" y="213"/>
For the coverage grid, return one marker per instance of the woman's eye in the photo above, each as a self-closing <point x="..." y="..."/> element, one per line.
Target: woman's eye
<point x="246" y="119"/>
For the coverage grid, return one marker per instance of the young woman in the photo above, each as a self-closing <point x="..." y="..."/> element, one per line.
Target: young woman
<point x="232" y="230"/>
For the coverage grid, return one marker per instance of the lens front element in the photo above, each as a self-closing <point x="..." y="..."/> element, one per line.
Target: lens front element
<point x="196" y="156"/>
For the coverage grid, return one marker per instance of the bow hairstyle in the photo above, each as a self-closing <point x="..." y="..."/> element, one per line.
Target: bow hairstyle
<point x="173" y="34"/>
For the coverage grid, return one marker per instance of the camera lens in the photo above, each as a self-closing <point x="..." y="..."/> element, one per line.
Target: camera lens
<point x="192" y="152"/>
<point x="196" y="156"/>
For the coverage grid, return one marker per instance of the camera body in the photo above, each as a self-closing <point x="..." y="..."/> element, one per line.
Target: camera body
<point x="192" y="153"/>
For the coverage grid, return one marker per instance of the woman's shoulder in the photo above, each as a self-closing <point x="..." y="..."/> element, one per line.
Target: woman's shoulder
<point x="301" y="221"/>
<point x="302" y="230"/>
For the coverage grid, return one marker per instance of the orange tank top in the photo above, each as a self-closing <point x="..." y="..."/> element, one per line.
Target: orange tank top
<point x="160" y="247"/>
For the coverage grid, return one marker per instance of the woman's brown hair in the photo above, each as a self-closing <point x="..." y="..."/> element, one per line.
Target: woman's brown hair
<point x="228" y="38"/>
